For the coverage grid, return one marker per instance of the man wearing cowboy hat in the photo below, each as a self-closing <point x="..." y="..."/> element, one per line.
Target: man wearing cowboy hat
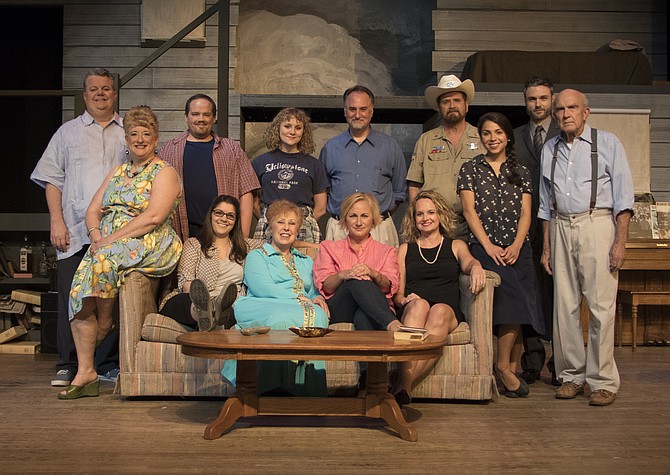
<point x="439" y="153"/>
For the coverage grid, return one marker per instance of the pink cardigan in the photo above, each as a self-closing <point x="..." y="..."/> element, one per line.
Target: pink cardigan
<point x="335" y="256"/>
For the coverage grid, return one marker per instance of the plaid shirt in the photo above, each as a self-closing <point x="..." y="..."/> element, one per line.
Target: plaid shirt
<point x="234" y="174"/>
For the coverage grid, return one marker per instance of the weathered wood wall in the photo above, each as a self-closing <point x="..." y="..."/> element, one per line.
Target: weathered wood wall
<point x="107" y="34"/>
<point x="464" y="27"/>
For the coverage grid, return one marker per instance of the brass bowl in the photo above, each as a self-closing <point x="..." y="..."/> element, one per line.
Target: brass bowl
<point x="310" y="332"/>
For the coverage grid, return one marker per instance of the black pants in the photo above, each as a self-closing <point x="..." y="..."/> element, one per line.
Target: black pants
<point x="362" y="303"/>
<point x="107" y="353"/>
<point x="534" y="353"/>
<point x="178" y="308"/>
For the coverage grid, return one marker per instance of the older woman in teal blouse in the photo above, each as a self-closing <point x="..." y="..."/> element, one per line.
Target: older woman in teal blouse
<point x="281" y="294"/>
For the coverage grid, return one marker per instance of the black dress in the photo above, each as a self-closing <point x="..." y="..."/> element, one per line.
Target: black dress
<point x="438" y="282"/>
<point x="498" y="204"/>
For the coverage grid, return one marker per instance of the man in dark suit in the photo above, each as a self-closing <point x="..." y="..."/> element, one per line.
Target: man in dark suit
<point x="538" y="93"/>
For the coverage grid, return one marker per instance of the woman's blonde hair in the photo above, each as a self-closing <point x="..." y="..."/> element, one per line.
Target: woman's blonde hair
<point x="272" y="138"/>
<point x="445" y="215"/>
<point x="279" y="207"/>
<point x="141" y="116"/>
<point x="354" y="198"/>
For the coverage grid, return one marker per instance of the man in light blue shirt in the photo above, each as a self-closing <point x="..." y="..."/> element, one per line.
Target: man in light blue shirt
<point x="364" y="160"/>
<point x="79" y="156"/>
<point x="586" y="201"/>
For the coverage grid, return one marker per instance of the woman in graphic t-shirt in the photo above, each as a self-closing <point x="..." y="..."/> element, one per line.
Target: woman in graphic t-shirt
<point x="289" y="172"/>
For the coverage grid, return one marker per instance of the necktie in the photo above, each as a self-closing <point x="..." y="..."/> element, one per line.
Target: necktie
<point x="537" y="140"/>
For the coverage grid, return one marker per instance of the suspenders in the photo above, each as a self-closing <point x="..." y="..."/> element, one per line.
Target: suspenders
<point x="594" y="171"/>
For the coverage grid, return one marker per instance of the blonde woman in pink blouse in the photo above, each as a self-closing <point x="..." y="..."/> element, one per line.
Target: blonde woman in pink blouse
<point x="358" y="275"/>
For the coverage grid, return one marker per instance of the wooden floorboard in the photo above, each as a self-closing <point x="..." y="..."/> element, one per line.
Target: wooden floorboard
<point x="111" y="434"/>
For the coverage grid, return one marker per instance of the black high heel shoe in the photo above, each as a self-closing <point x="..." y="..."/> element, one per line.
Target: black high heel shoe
<point x="522" y="391"/>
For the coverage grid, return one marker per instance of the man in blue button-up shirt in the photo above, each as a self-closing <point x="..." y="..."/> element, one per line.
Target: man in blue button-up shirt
<point x="584" y="245"/>
<point x="364" y="160"/>
<point x="71" y="169"/>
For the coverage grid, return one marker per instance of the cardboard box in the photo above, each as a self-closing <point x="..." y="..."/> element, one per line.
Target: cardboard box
<point x="12" y="333"/>
<point x="20" y="348"/>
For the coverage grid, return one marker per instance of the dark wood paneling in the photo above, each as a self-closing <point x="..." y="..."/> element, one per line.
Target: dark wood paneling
<point x="661" y="153"/>
<point x="74" y="76"/>
<point x="548" y="21"/>
<point x="162" y="99"/>
<point x="559" y="5"/>
<point x="660" y="178"/>
<point x="452" y="62"/>
<point x="128" y="57"/>
<point x="113" y="14"/>
<point x="117" y="35"/>
<point x="475" y="40"/>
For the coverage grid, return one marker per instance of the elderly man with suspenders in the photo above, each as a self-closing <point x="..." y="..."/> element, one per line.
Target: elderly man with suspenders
<point x="586" y="201"/>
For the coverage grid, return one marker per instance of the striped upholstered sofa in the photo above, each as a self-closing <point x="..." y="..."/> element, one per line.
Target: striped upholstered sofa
<point x="152" y="364"/>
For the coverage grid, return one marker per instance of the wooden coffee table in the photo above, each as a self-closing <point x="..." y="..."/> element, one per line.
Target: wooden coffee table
<point x="376" y="347"/>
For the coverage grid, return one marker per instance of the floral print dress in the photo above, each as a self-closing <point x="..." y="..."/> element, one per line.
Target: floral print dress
<point x="155" y="254"/>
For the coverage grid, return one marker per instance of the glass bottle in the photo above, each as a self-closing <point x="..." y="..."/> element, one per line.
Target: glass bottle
<point x="26" y="256"/>
<point x="44" y="261"/>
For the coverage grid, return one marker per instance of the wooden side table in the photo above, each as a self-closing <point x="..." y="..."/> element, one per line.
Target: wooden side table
<point x="634" y="298"/>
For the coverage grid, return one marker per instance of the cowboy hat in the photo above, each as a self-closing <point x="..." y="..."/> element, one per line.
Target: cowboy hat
<point x="449" y="84"/>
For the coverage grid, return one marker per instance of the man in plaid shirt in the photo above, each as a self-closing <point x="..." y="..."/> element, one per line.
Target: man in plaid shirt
<point x="209" y="166"/>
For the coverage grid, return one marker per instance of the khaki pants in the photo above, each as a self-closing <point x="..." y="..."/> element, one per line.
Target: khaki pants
<point x="385" y="232"/>
<point x="580" y="246"/>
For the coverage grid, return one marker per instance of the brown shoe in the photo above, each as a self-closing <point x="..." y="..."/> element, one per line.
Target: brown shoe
<point x="569" y="390"/>
<point x="602" y="397"/>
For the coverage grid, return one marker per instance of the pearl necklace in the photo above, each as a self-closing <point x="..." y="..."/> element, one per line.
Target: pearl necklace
<point x="418" y="244"/>
<point x="130" y="174"/>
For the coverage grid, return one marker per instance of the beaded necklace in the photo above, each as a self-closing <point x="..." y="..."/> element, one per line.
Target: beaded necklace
<point x="437" y="254"/>
<point x="298" y="284"/>
<point x="130" y="174"/>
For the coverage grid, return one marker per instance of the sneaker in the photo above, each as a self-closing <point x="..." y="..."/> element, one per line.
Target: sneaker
<point x="63" y="377"/>
<point x="569" y="390"/>
<point x="110" y="375"/>
<point x="224" y="302"/>
<point x="203" y="305"/>
<point x="602" y="397"/>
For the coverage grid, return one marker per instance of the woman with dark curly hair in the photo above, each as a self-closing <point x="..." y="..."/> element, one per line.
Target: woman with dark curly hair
<point x="289" y="172"/>
<point x="495" y="193"/>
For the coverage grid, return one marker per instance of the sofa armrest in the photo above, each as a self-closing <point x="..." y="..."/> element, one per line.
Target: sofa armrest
<point x="478" y="312"/>
<point x="137" y="298"/>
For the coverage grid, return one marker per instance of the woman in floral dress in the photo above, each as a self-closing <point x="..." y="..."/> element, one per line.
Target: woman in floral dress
<point x="129" y="223"/>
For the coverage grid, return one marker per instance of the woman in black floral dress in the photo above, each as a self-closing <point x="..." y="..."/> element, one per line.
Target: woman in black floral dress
<point x="495" y="194"/>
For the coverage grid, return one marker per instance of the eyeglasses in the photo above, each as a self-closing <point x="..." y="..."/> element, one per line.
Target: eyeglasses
<point x="220" y="214"/>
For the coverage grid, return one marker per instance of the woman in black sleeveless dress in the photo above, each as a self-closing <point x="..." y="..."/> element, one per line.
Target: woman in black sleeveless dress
<point x="430" y="263"/>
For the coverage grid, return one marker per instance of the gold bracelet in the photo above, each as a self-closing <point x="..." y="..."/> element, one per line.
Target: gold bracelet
<point x="88" y="232"/>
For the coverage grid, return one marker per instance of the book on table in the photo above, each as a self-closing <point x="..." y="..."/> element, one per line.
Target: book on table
<point x="410" y="333"/>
